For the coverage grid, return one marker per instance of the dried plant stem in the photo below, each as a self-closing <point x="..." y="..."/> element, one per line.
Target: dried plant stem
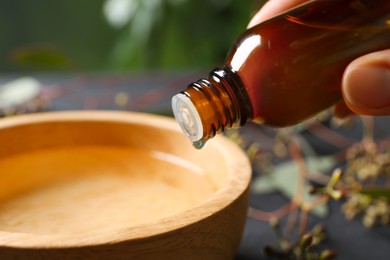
<point x="291" y="223"/>
<point x="318" y="177"/>
<point x="368" y="129"/>
<point x="308" y="206"/>
<point x="296" y="156"/>
<point x="298" y="199"/>
<point x="330" y="136"/>
<point x="302" y="228"/>
<point x="268" y="216"/>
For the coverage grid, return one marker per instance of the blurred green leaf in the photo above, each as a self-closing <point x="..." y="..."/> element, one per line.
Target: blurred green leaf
<point x="376" y="192"/>
<point x="180" y="34"/>
<point x="41" y="57"/>
<point x="152" y="34"/>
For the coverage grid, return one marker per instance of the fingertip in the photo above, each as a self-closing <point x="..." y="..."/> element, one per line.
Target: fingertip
<point x="366" y="84"/>
<point x="256" y="19"/>
<point x="272" y="8"/>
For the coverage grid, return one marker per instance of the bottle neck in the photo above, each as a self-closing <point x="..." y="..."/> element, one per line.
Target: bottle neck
<point x="209" y="106"/>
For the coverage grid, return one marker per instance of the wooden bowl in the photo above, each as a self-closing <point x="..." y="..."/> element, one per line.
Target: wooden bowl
<point x="117" y="185"/>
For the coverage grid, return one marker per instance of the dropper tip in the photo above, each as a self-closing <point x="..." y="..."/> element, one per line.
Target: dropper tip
<point x="188" y="118"/>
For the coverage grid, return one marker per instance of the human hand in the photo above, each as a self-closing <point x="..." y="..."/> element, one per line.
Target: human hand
<point x="366" y="80"/>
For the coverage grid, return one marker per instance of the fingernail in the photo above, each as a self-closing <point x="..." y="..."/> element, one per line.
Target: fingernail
<point x="366" y="89"/>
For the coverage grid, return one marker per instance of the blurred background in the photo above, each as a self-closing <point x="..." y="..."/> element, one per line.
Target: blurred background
<point x="119" y="35"/>
<point x="76" y="47"/>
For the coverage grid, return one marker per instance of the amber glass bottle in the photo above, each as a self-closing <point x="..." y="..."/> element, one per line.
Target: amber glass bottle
<point x="286" y="69"/>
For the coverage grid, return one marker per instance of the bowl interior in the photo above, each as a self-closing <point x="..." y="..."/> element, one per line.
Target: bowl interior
<point x="86" y="172"/>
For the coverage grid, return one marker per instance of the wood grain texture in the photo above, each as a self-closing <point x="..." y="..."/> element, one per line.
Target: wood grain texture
<point x="209" y="229"/>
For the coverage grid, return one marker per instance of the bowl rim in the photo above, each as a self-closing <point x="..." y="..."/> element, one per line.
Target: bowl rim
<point x="238" y="180"/>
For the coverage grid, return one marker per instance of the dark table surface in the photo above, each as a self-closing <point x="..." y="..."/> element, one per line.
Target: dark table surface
<point x="151" y="93"/>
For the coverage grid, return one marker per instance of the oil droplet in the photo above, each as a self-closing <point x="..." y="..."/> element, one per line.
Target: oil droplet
<point x="199" y="144"/>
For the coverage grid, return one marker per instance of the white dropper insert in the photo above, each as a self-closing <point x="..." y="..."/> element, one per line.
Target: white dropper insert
<point x="188" y="117"/>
